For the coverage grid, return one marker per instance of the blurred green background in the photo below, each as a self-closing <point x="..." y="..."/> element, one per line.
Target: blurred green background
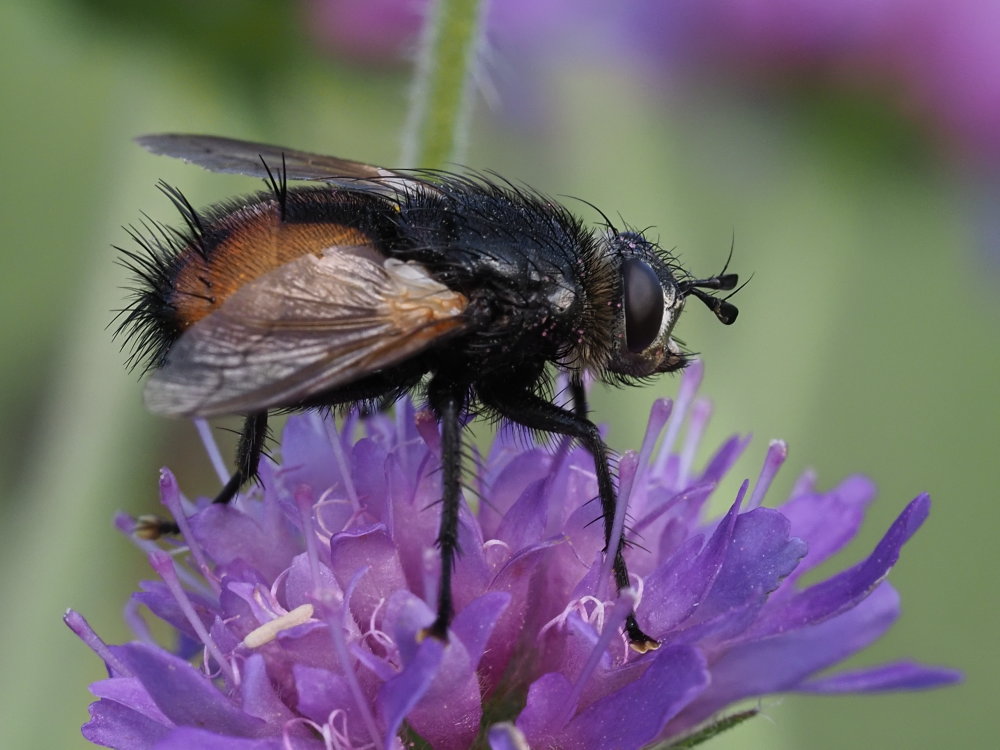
<point x="867" y="337"/>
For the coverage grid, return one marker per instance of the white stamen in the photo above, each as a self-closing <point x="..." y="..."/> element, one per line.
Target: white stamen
<point x="269" y="630"/>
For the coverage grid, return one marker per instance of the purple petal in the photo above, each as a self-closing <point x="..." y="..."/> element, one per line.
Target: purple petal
<point x="184" y="694"/>
<point x="367" y="547"/>
<point x="846" y="589"/>
<point x="828" y="520"/>
<point x="724" y="459"/>
<point x="507" y="485"/>
<point x="449" y="713"/>
<point x="472" y="574"/>
<point x="515" y="578"/>
<point x="676" y="589"/>
<point x="130" y="692"/>
<point x="506" y="736"/>
<point x="475" y="623"/>
<point x="546" y="711"/>
<point x="306" y="444"/>
<point x="161" y="602"/>
<point x="319" y="691"/>
<point x="185" y="738"/>
<point x="525" y="523"/>
<point x="782" y="663"/>
<point x="676" y="511"/>
<point x="300" y="587"/>
<point x="368" y="470"/>
<point x="903" y="675"/>
<point x="308" y="644"/>
<point x="406" y="615"/>
<point x="760" y="555"/>
<point x="636" y="714"/>
<point x="229" y="535"/>
<point x="113" y="724"/>
<point x="398" y="696"/>
<point x="258" y="693"/>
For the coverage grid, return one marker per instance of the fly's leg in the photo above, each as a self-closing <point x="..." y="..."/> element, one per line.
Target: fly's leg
<point x="248" y="453"/>
<point x="447" y="406"/>
<point x="536" y="413"/>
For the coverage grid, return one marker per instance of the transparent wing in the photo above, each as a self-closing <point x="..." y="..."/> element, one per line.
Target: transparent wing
<point x="312" y="324"/>
<point x="234" y="156"/>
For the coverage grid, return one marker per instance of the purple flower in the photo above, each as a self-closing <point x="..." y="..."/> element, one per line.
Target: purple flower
<point x="937" y="61"/>
<point x="365" y="30"/>
<point x="297" y="610"/>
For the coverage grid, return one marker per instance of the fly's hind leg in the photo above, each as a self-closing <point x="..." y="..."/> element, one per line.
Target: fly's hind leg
<point x="248" y="453"/>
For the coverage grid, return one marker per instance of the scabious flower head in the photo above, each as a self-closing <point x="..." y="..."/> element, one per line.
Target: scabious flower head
<point x="298" y="609"/>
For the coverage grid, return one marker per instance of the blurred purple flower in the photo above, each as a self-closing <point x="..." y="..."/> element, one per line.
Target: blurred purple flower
<point x="366" y="30"/>
<point x="388" y="29"/>
<point x="936" y="59"/>
<point x="297" y="610"/>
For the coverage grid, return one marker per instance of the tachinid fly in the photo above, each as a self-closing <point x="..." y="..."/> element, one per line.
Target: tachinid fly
<point x="375" y="283"/>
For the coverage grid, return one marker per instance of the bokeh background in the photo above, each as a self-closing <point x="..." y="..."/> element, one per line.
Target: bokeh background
<point x="852" y="150"/>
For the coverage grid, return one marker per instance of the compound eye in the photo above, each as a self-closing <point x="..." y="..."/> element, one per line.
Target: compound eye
<point x="643" y="304"/>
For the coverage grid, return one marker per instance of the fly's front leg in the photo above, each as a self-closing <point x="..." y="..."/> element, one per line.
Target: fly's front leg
<point x="536" y="413"/>
<point x="447" y="406"/>
<point x="579" y="394"/>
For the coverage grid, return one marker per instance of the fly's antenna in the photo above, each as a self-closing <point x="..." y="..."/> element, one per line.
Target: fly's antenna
<point x="724" y="310"/>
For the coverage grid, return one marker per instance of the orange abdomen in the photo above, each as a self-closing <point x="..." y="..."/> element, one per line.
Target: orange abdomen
<point x="244" y="245"/>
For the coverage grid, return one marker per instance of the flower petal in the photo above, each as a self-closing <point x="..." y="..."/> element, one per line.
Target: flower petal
<point x="368" y="460"/>
<point x="904" y="675"/>
<point x="449" y="712"/>
<point x="185" y="695"/>
<point x="398" y="696"/>
<point x="828" y="520"/>
<point x="546" y="711"/>
<point x="636" y="714"/>
<point x="506" y="485"/>
<point x="783" y="662"/>
<point x="185" y="738"/>
<point x="506" y="736"/>
<point x="321" y="693"/>
<point x="305" y="438"/>
<point x="113" y="724"/>
<point x="760" y="555"/>
<point x="475" y="623"/>
<point x="229" y="535"/>
<point x="258" y="693"/>
<point x="525" y="523"/>
<point x="130" y="692"/>
<point x="846" y="589"/>
<point x="367" y="547"/>
<point x="675" y="589"/>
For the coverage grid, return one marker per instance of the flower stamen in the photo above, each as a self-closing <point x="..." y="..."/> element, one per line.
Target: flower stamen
<point x="777" y="452"/>
<point x="163" y="564"/>
<point x="269" y="630"/>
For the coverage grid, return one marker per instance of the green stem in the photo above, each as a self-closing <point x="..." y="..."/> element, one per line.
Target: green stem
<point x="438" y="121"/>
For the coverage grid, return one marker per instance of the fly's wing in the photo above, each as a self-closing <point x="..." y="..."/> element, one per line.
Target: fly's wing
<point x="310" y="325"/>
<point x="234" y="156"/>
